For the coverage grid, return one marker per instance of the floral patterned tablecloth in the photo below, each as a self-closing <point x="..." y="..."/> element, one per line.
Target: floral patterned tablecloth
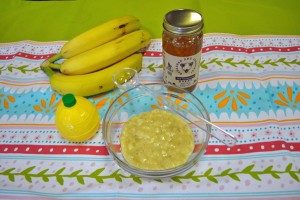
<point x="249" y="85"/>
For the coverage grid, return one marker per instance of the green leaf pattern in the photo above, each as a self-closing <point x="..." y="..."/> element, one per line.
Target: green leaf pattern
<point x="257" y="63"/>
<point x="203" y="64"/>
<point x="249" y="170"/>
<point x="231" y="62"/>
<point x="23" y="69"/>
<point x="100" y="177"/>
<point x="153" y="68"/>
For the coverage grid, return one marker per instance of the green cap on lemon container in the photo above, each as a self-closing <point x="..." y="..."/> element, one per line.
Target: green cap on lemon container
<point x="69" y="100"/>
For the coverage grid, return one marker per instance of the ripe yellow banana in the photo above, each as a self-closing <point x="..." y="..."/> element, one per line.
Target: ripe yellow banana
<point x="92" y="83"/>
<point x="97" y="36"/>
<point x="106" y="54"/>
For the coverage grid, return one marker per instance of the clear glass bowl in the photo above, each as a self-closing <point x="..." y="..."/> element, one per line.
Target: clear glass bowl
<point x="133" y="102"/>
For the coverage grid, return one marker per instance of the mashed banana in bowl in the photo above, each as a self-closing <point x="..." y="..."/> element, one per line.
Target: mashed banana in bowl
<point x="156" y="140"/>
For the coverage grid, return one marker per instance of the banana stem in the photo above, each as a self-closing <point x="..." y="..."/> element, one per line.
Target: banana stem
<point x="48" y="71"/>
<point x="45" y="64"/>
<point x="54" y="65"/>
<point x="55" y="58"/>
<point x="50" y="60"/>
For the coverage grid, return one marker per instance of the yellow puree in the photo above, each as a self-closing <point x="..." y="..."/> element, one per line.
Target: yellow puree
<point x="156" y="140"/>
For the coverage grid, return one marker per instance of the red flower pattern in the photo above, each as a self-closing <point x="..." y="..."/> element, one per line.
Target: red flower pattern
<point x="240" y="136"/>
<point x="292" y="134"/>
<point x="268" y="132"/>
<point x="254" y="135"/>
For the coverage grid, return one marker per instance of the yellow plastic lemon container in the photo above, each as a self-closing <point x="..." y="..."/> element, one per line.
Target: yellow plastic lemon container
<point x="76" y="118"/>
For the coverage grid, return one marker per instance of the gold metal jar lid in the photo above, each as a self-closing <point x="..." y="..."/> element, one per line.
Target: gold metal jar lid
<point x="183" y="21"/>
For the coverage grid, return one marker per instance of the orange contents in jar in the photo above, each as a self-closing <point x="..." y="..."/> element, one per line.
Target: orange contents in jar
<point x="182" y="45"/>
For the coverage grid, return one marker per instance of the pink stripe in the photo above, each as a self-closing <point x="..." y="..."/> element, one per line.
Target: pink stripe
<point x="124" y="198"/>
<point x="53" y="149"/>
<point x="26" y="55"/>
<point x="102" y="150"/>
<point x="250" y="50"/>
<point x="159" y="54"/>
<point x="252" y="77"/>
<point x="234" y="49"/>
<point x="23" y="197"/>
<point x="27" y="126"/>
<point x="252" y="148"/>
<point x="254" y="198"/>
<point x="221" y="123"/>
<point x="152" y="54"/>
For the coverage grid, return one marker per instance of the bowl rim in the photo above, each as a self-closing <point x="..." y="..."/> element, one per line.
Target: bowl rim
<point x="155" y="173"/>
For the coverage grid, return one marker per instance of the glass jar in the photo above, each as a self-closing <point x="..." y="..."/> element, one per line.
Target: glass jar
<point x="182" y="44"/>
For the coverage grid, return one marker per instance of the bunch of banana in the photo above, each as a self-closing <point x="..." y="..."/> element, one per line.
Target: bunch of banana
<point x="92" y="83"/>
<point x="91" y="58"/>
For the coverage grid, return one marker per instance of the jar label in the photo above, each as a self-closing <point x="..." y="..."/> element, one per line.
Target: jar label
<point x="182" y="72"/>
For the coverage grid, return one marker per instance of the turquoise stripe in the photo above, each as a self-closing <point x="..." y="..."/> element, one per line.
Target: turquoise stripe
<point x="232" y="157"/>
<point x="258" y="100"/>
<point x="157" y="58"/>
<point x="29" y="60"/>
<point x="155" y="195"/>
<point x="57" y="158"/>
<point x="223" y="73"/>
<point x="109" y="158"/>
<point x="22" y="79"/>
<point x="262" y="99"/>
